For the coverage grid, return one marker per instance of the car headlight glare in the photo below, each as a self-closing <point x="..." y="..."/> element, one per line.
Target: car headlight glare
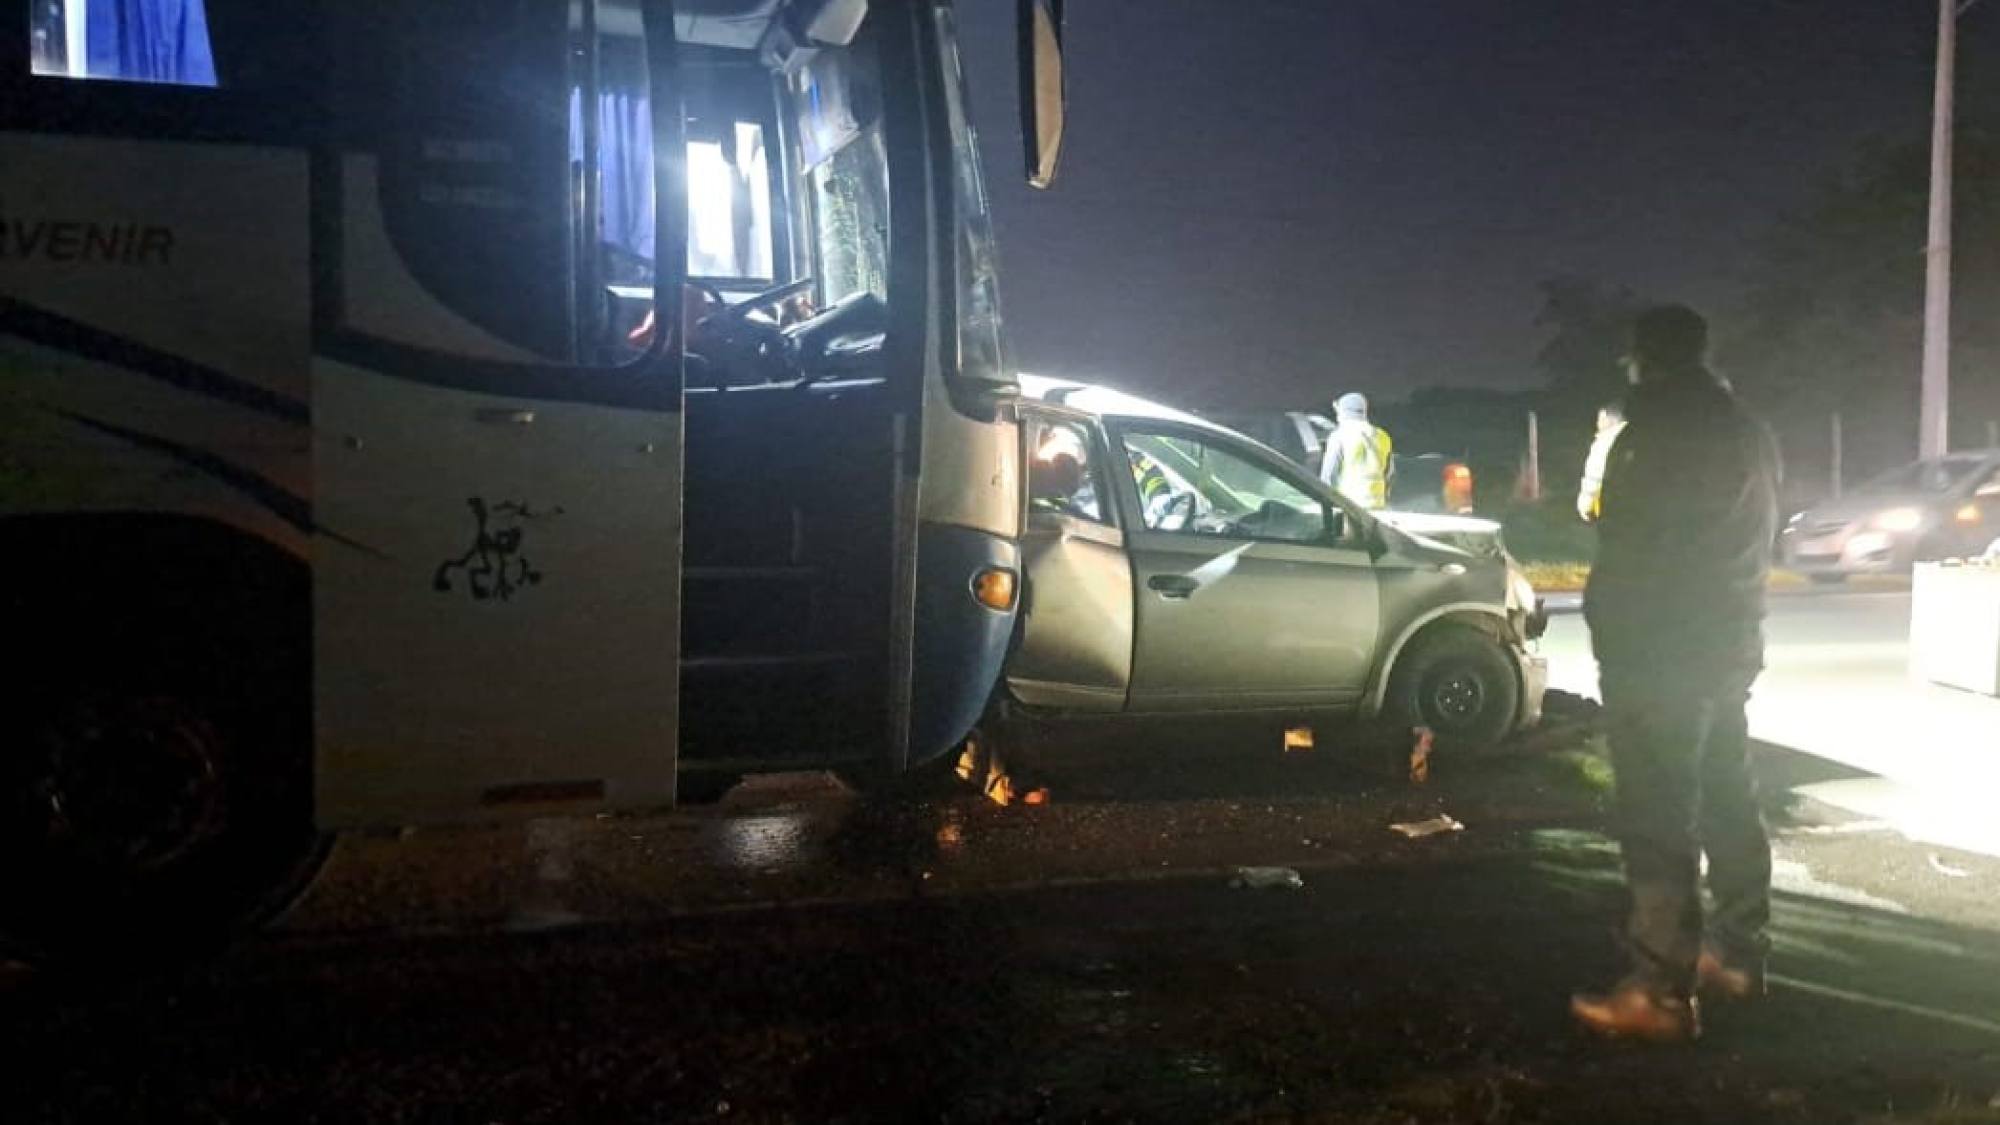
<point x="1900" y="519"/>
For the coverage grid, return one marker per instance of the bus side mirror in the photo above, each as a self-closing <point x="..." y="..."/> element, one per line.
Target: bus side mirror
<point x="1043" y="97"/>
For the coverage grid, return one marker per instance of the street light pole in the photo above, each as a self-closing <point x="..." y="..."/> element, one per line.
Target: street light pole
<point x="1933" y="419"/>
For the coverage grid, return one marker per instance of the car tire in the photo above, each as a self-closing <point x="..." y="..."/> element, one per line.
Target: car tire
<point x="1461" y="684"/>
<point x="152" y="809"/>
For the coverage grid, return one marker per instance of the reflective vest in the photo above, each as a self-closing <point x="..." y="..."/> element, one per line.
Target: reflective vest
<point x="1590" y="493"/>
<point x="1152" y="482"/>
<point x="1364" y="464"/>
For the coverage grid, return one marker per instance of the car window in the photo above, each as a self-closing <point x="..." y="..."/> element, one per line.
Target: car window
<point x="1063" y="471"/>
<point x="1200" y="486"/>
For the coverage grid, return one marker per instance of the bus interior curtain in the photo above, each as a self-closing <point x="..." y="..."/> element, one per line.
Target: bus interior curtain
<point x="625" y="156"/>
<point x="150" y="41"/>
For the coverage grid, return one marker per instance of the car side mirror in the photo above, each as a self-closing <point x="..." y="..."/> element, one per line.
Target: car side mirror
<point x="1336" y="525"/>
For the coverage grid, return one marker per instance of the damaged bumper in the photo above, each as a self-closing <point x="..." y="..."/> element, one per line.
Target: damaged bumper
<point x="1534" y="670"/>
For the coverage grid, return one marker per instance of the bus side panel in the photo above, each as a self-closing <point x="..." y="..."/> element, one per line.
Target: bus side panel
<point x="971" y="467"/>
<point x="961" y="645"/>
<point x="969" y="520"/>
<point x="497" y="632"/>
<point x="154" y="332"/>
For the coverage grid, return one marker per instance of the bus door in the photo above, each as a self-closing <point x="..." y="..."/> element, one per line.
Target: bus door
<point x="497" y="453"/>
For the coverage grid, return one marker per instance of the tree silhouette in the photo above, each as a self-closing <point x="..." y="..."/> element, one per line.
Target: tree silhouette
<point x="1834" y="320"/>
<point x="1589" y="325"/>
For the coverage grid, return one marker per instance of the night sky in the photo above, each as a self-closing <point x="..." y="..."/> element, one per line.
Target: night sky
<point x="1274" y="201"/>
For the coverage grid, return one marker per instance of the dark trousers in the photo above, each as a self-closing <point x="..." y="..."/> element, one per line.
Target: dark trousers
<point x="1680" y="750"/>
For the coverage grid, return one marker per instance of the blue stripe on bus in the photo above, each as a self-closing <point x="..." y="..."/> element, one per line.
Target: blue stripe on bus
<point x="63" y="334"/>
<point x="272" y="496"/>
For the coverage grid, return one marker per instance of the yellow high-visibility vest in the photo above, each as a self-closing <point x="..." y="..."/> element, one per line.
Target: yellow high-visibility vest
<point x="1364" y="465"/>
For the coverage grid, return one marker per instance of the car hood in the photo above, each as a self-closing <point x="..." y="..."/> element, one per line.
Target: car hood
<point x="1477" y="537"/>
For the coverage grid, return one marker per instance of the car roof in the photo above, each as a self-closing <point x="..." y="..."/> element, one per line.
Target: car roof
<point x="1105" y="402"/>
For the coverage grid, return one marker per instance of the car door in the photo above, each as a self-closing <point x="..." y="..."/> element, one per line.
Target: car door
<point x="1076" y="633"/>
<point x="496" y="572"/>
<point x="1250" y="590"/>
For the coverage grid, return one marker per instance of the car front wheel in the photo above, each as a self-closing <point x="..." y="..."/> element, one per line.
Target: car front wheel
<point x="1461" y="684"/>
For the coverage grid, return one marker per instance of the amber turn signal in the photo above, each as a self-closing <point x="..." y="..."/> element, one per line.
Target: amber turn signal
<point x="994" y="588"/>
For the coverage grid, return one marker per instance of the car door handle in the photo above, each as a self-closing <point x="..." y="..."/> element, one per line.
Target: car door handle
<point x="505" y="416"/>
<point x="1172" y="585"/>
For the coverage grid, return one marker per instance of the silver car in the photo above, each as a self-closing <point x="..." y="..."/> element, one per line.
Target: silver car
<point x="1943" y="508"/>
<point x="1172" y="565"/>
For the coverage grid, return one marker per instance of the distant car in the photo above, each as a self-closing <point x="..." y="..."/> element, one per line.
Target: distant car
<point x="1424" y="482"/>
<point x="1948" y="507"/>
<point x="1172" y="565"/>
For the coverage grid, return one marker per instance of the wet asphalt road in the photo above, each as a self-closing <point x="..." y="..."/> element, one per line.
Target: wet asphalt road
<point x="1923" y="758"/>
<point x="800" y="953"/>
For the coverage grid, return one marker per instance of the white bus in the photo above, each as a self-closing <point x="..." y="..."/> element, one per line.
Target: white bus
<point x="423" y="412"/>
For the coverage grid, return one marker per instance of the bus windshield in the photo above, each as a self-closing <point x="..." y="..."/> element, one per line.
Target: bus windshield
<point x="787" y="182"/>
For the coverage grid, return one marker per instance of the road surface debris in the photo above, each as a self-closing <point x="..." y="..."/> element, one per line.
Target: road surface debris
<point x="1437" y="825"/>
<point x="1420" y="755"/>
<point x="1262" y="878"/>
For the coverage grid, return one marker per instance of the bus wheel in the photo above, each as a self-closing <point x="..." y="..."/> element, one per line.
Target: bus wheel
<point x="1460" y="684"/>
<point x="150" y="817"/>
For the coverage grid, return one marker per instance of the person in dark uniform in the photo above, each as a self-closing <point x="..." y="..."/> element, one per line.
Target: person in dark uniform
<point x="1675" y="604"/>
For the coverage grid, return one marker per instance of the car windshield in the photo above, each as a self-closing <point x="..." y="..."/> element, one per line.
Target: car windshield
<point x="1933" y="477"/>
<point x="1197" y="485"/>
